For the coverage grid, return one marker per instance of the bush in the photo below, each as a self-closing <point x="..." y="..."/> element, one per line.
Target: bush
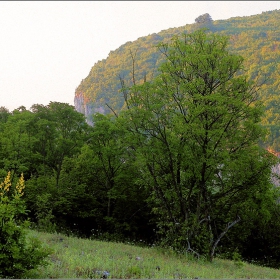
<point x="18" y="255"/>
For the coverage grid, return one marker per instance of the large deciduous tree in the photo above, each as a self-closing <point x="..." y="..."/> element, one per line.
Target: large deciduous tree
<point x="196" y="131"/>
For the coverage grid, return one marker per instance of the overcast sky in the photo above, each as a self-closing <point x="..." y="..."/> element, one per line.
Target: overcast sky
<point x="48" y="47"/>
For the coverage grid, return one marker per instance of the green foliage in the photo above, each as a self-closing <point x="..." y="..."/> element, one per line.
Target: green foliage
<point x="18" y="254"/>
<point x="134" y="272"/>
<point x="196" y="129"/>
<point x="36" y="142"/>
<point x="4" y="114"/>
<point x="40" y="196"/>
<point x="100" y="194"/>
<point x="44" y="215"/>
<point x="62" y="132"/>
<point x="236" y="257"/>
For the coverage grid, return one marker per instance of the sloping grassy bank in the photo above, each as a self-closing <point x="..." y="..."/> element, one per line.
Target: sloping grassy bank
<point x="83" y="258"/>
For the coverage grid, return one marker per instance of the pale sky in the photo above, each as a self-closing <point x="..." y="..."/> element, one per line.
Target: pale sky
<point x="48" y="47"/>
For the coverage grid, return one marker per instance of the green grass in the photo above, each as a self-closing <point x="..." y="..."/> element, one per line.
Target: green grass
<point x="84" y="258"/>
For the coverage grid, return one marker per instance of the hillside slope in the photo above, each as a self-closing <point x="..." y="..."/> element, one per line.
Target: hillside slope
<point x="256" y="38"/>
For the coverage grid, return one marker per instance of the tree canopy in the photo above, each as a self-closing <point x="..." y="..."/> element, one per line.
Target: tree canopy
<point x="197" y="126"/>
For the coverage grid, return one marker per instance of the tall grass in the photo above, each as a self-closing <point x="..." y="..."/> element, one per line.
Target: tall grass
<point x="84" y="258"/>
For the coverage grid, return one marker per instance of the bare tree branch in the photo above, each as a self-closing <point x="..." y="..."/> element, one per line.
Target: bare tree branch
<point x="229" y="225"/>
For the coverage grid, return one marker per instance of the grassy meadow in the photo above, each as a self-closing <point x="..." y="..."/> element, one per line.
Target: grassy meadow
<point x="83" y="258"/>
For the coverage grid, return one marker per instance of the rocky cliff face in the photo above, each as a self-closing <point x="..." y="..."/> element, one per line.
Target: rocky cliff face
<point x="275" y="170"/>
<point x="84" y="106"/>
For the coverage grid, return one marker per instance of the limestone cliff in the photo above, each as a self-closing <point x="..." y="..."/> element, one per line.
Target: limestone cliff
<point x="84" y="106"/>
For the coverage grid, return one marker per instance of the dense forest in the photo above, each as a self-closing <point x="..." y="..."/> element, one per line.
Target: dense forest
<point x="256" y="38"/>
<point x="180" y="158"/>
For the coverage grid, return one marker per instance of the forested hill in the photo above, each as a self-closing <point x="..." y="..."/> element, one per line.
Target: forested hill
<point x="256" y="38"/>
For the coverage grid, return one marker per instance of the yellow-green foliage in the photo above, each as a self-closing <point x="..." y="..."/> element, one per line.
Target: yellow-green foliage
<point x="17" y="254"/>
<point x="5" y="185"/>
<point x="256" y="38"/>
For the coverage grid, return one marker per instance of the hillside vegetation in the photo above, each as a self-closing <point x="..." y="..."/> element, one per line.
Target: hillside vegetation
<point x="256" y="38"/>
<point x="82" y="258"/>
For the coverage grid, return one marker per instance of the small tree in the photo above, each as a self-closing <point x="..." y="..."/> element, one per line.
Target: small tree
<point x="204" y="21"/>
<point x="17" y="254"/>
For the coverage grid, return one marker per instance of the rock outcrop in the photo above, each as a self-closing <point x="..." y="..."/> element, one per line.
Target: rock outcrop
<point x="84" y="106"/>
